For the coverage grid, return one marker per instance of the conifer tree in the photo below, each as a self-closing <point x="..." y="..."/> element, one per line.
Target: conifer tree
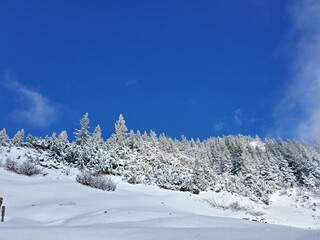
<point x="18" y="139"/>
<point x="30" y="139"/>
<point x="3" y="137"/>
<point x="82" y="135"/>
<point x="97" y="135"/>
<point x="121" y="131"/>
<point x="63" y="137"/>
<point x="153" y="138"/>
<point x="132" y="140"/>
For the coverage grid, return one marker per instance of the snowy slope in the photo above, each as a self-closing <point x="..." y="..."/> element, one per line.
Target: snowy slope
<point x="56" y="207"/>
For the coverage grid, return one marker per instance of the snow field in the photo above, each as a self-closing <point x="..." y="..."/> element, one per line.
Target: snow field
<point x="56" y="207"/>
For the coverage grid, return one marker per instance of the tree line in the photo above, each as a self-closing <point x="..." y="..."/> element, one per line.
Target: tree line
<point x="241" y="164"/>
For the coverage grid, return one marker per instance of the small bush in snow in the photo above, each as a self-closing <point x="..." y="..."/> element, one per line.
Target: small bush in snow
<point x="255" y="213"/>
<point x="28" y="167"/>
<point x="234" y="206"/>
<point x="99" y="182"/>
<point x="213" y="203"/>
<point x="11" y="165"/>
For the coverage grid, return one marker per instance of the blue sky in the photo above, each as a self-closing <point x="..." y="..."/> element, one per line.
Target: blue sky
<point x="193" y="68"/>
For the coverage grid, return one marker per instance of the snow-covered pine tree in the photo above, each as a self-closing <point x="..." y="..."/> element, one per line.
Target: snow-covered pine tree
<point x="95" y="151"/>
<point x="276" y="149"/>
<point x="63" y="137"/>
<point x="80" y="152"/>
<point x="30" y="140"/>
<point x="153" y="138"/>
<point x="121" y="131"/>
<point x="119" y="147"/>
<point x="198" y="177"/>
<point x="60" y="143"/>
<point x="218" y="156"/>
<point x="18" y="139"/>
<point x="183" y="145"/>
<point x="3" y="137"/>
<point x="97" y="135"/>
<point x="235" y="154"/>
<point x="166" y="144"/>
<point x="53" y="143"/>
<point x="131" y="139"/>
<point x="82" y="135"/>
<point x="301" y="161"/>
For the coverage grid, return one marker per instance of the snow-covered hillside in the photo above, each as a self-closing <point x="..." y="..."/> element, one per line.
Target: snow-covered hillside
<point x="240" y="164"/>
<point x="233" y="187"/>
<point x="52" y="205"/>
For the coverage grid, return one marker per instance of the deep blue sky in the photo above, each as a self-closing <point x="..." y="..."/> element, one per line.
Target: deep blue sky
<point x="198" y="68"/>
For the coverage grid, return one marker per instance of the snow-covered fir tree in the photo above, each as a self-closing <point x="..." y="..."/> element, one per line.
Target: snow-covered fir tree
<point x="4" y="138"/>
<point x="82" y="135"/>
<point x="97" y="135"/>
<point x="63" y="137"/>
<point x="18" y="138"/>
<point x="121" y="131"/>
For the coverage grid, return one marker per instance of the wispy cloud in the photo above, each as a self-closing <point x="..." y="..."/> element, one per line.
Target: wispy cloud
<point x="238" y="117"/>
<point x="244" y="118"/>
<point x="34" y="108"/>
<point x="241" y="120"/>
<point x="131" y="83"/>
<point x="298" y="113"/>
<point x="218" y="126"/>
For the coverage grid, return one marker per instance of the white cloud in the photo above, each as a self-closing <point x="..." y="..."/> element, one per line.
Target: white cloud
<point x="132" y="83"/>
<point x="218" y="126"/>
<point x="298" y="113"/>
<point x="36" y="108"/>
<point x="238" y="117"/>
